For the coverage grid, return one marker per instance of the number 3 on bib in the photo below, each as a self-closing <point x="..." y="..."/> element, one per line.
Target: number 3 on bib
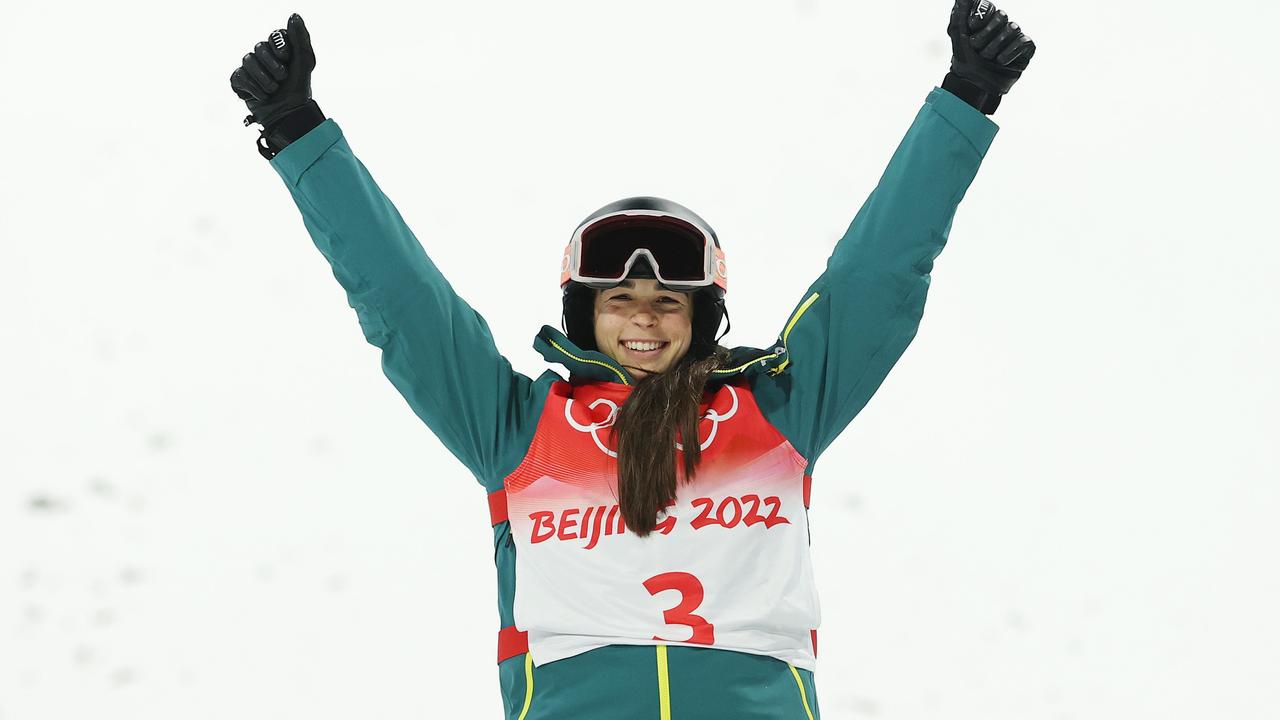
<point x="691" y="594"/>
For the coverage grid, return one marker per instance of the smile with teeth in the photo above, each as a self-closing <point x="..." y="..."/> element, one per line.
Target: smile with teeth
<point x="643" y="347"/>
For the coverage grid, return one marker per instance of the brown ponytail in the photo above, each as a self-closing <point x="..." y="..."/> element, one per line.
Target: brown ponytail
<point x="663" y="408"/>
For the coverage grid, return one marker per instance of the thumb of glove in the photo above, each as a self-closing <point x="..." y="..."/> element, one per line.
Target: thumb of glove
<point x="296" y="51"/>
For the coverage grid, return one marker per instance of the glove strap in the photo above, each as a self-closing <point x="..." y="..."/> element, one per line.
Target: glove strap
<point x="288" y="127"/>
<point x="984" y="101"/>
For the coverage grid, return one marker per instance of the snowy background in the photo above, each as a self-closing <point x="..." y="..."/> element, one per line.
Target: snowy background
<point x="1062" y="504"/>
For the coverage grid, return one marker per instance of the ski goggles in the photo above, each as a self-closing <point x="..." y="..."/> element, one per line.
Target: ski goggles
<point x="683" y="256"/>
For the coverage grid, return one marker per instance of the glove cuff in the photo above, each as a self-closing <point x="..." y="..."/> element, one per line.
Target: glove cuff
<point x="981" y="99"/>
<point x="288" y="127"/>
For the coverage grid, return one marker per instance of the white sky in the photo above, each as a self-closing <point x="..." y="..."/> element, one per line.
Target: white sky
<point x="1062" y="504"/>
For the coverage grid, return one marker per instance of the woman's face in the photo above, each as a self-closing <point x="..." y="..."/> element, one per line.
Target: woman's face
<point x="643" y="327"/>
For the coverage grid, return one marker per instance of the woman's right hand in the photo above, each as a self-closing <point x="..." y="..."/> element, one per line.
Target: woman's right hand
<point x="275" y="83"/>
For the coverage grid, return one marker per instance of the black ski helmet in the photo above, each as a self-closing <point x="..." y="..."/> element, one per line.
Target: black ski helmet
<point x="578" y="300"/>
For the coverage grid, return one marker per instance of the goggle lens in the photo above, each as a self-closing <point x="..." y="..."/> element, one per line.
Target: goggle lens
<point x="678" y="248"/>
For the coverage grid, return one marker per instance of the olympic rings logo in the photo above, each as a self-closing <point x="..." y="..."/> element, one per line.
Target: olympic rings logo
<point x="594" y="428"/>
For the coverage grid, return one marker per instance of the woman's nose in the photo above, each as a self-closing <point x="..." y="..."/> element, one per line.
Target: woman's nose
<point x="645" y="318"/>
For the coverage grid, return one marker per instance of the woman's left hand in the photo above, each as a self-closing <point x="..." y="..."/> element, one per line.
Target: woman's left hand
<point x="989" y="53"/>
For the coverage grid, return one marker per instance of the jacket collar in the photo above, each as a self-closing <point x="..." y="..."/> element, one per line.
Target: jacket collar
<point x="595" y="366"/>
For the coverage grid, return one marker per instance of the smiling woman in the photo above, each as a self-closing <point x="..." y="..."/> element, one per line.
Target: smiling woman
<point x="652" y="506"/>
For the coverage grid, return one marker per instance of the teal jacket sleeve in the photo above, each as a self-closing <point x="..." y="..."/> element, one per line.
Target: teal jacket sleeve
<point x="436" y="349"/>
<point x="858" y="317"/>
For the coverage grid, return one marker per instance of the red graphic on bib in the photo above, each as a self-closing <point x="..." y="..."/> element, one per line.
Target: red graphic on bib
<point x="566" y="490"/>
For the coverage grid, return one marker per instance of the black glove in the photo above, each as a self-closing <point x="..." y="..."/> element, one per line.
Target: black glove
<point x="988" y="54"/>
<point x="275" y="83"/>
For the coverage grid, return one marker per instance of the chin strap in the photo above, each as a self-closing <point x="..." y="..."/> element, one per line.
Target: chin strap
<point x="727" y="323"/>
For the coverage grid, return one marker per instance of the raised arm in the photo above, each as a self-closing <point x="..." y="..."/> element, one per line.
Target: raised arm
<point x="436" y="350"/>
<point x="857" y="318"/>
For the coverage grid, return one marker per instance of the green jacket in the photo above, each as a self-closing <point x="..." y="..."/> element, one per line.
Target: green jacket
<point x="844" y="335"/>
